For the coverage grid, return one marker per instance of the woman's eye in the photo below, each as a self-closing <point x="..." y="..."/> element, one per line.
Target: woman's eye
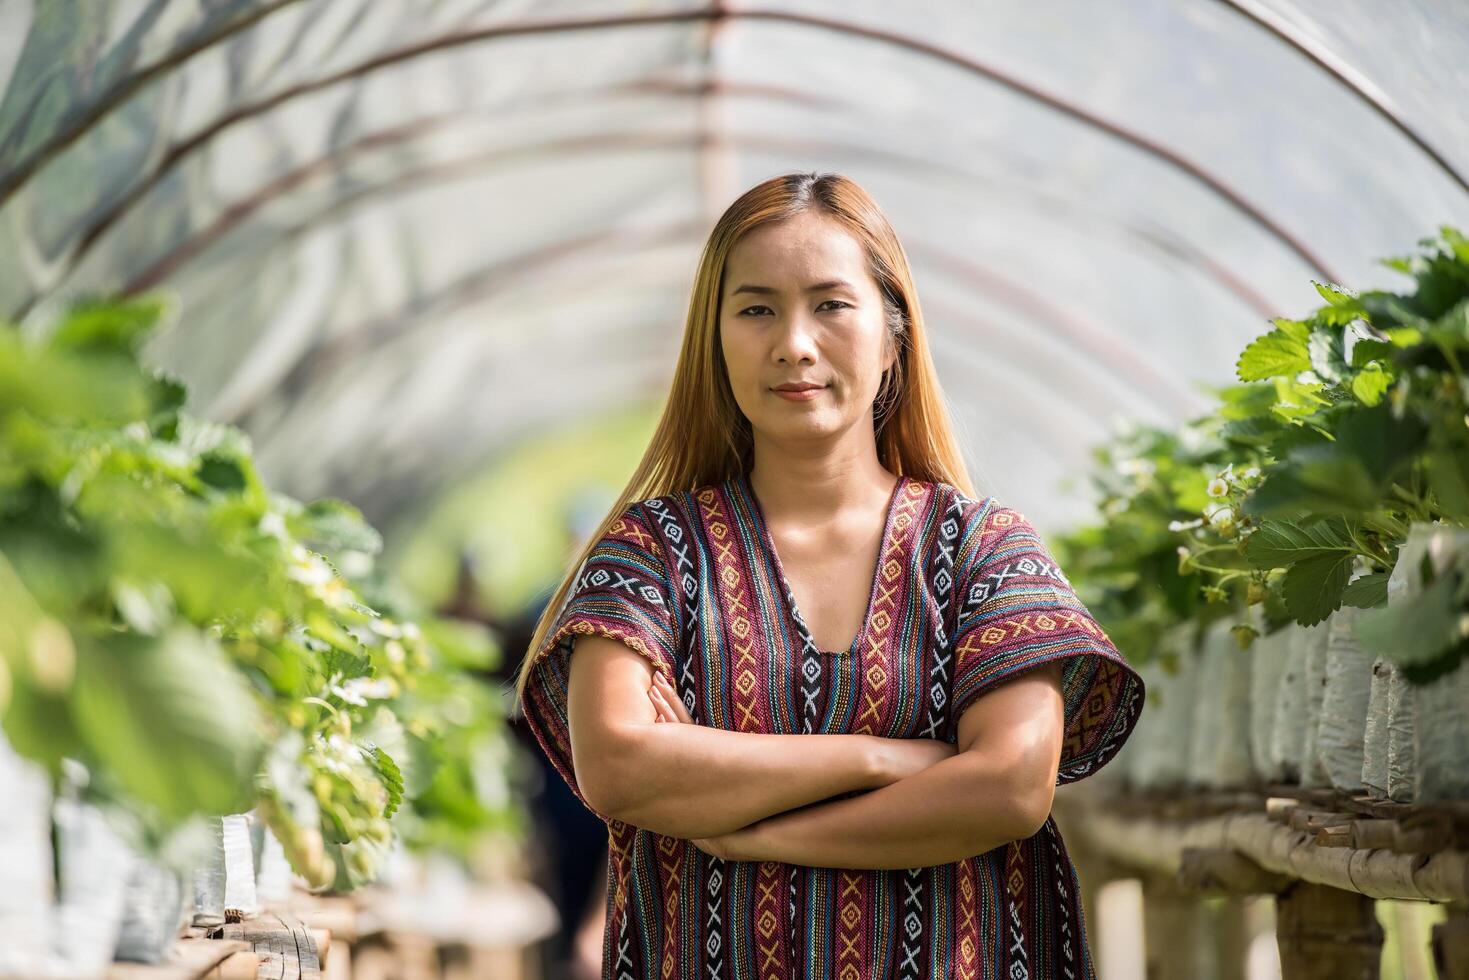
<point x="840" y="303"/>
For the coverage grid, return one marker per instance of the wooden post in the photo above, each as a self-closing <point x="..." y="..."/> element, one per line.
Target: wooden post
<point x="1174" y="932"/>
<point x="1231" y="937"/>
<point x="1451" y="944"/>
<point x="1327" y="934"/>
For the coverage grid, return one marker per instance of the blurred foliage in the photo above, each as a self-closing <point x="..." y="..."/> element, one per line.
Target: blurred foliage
<point x="515" y="520"/>
<point x="203" y="645"/>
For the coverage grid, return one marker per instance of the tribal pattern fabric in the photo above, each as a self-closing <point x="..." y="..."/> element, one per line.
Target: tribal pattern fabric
<point x="964" y="596"/>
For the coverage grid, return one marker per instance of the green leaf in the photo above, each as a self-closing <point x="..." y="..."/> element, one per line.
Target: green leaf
<point x="1245" y="401"/>
<point x="1327" y="357"/>
<point x="1367" y="591"/>
<point x="1335" y="295"/>
<point x="1280" y="353"/>
<point x="1381" y="443"/>
<point x="171" y="719"/>
<point x="392" y="778"/>
<point x="1278" y="544"/>
<point x="1448" y="477"/>
<point x="1369" y="349"/>
<point x="1314" y="480"/>
<point x="1259" y="431"/>
<point x="1313" y="586"/>
<point x="328" y="524"/>
<point x="112" y="325"/>
<point x="1370" y="384"/>
<point x="335" y="661"/>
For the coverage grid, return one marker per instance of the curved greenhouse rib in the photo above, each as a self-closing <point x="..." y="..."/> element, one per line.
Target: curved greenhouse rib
<point x="15" y="177"/>
<point x="1359" y="85"/>
<point x="972" y="65"/>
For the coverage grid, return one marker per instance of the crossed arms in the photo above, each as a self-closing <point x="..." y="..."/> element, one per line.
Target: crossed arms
<point x="751" y="796"/>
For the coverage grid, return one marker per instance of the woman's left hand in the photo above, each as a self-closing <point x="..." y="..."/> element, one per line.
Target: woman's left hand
<point x="667" y="703"/>
<point x="671" y="710"/>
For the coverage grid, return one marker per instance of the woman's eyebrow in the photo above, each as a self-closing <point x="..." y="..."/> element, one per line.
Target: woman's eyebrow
<point x="815" y="287"/>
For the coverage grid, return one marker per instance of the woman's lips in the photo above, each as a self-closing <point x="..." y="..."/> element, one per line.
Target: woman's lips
<point x="799" y="396"/>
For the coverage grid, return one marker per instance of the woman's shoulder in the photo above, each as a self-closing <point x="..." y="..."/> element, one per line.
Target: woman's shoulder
<point x="979" y="521"/>
<point x="952" y="499"/>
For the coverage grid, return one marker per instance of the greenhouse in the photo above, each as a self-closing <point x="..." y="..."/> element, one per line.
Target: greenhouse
<point x="1100" y="371"/>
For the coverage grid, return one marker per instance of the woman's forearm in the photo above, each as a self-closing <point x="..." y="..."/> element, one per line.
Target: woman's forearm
<point x="960" y="807"/>
<point x="697" y="781"/>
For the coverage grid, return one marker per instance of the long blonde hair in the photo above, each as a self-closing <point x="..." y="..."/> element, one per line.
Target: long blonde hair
<point x="703" y="438"/>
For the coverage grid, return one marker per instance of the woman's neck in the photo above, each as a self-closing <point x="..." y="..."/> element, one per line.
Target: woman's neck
<point x="812" y="488"/>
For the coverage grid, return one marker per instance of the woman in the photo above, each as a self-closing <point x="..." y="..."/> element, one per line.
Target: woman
<point x="821" y="694"/>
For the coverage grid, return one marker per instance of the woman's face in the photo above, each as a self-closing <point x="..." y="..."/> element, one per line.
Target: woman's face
<point x="800" y="307"/>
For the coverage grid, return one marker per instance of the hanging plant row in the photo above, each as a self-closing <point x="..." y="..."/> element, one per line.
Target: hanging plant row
<point x="1318" y="515"/>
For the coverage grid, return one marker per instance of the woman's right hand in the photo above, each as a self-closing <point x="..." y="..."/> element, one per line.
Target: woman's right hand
<point x="899" y="758"/>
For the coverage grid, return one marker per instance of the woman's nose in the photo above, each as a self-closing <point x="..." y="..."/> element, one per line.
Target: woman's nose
<point x="796" y="340"/>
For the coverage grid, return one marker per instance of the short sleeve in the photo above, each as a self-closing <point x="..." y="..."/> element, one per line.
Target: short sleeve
<point x="622" y="591"/>
<point x="1017" y="610"/>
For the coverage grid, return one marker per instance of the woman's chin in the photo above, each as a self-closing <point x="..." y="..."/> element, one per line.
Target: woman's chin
<point x="802" y="427"/>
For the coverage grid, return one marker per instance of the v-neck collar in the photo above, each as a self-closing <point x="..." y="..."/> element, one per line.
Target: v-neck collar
<point x="768" y="542"/>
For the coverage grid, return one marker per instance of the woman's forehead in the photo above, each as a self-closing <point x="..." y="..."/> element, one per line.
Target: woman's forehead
<point x="788" y="256"/>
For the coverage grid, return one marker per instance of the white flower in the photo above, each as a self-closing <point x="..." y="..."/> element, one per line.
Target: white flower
<point x="273" y="524"/>
<point x="1252" y="473"/>
<point x="1185" y="525"/>
<point x="1135" y="466"/>
<point x="384" y="627"/>
<point x="348" y="695"/>
<point x="358" y="689"/>
<point x="1222" y="518"/>
<point x="1218" y="488"/>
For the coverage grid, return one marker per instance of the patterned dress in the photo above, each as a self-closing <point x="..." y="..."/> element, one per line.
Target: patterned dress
<point x="964" y="595"/>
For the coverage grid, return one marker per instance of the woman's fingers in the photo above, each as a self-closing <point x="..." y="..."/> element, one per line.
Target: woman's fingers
<point x="661" y="705"/>
<point x="665" y="700"/>
<point x="675" y="702"/>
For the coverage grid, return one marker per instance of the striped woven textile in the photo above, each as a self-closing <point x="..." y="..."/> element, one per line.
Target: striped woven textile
<point x="964" y="596"/>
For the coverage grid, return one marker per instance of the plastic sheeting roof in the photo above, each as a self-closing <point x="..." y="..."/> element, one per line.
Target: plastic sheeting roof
<point x="405" y="235"/>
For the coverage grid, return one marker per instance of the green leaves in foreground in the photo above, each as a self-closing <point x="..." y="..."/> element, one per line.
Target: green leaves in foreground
<point x="391" y="776"/>
<point x="1317" y="559"/>
<point x="171" y="719"/>
<point x="166" y="623"/>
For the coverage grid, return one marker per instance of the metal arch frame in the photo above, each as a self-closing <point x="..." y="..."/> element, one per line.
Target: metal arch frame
<point x="1358" y="84"/>
<point x="415" y="179"/>
<point x="405" y="131"/>
<point x="719" y="12"/>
